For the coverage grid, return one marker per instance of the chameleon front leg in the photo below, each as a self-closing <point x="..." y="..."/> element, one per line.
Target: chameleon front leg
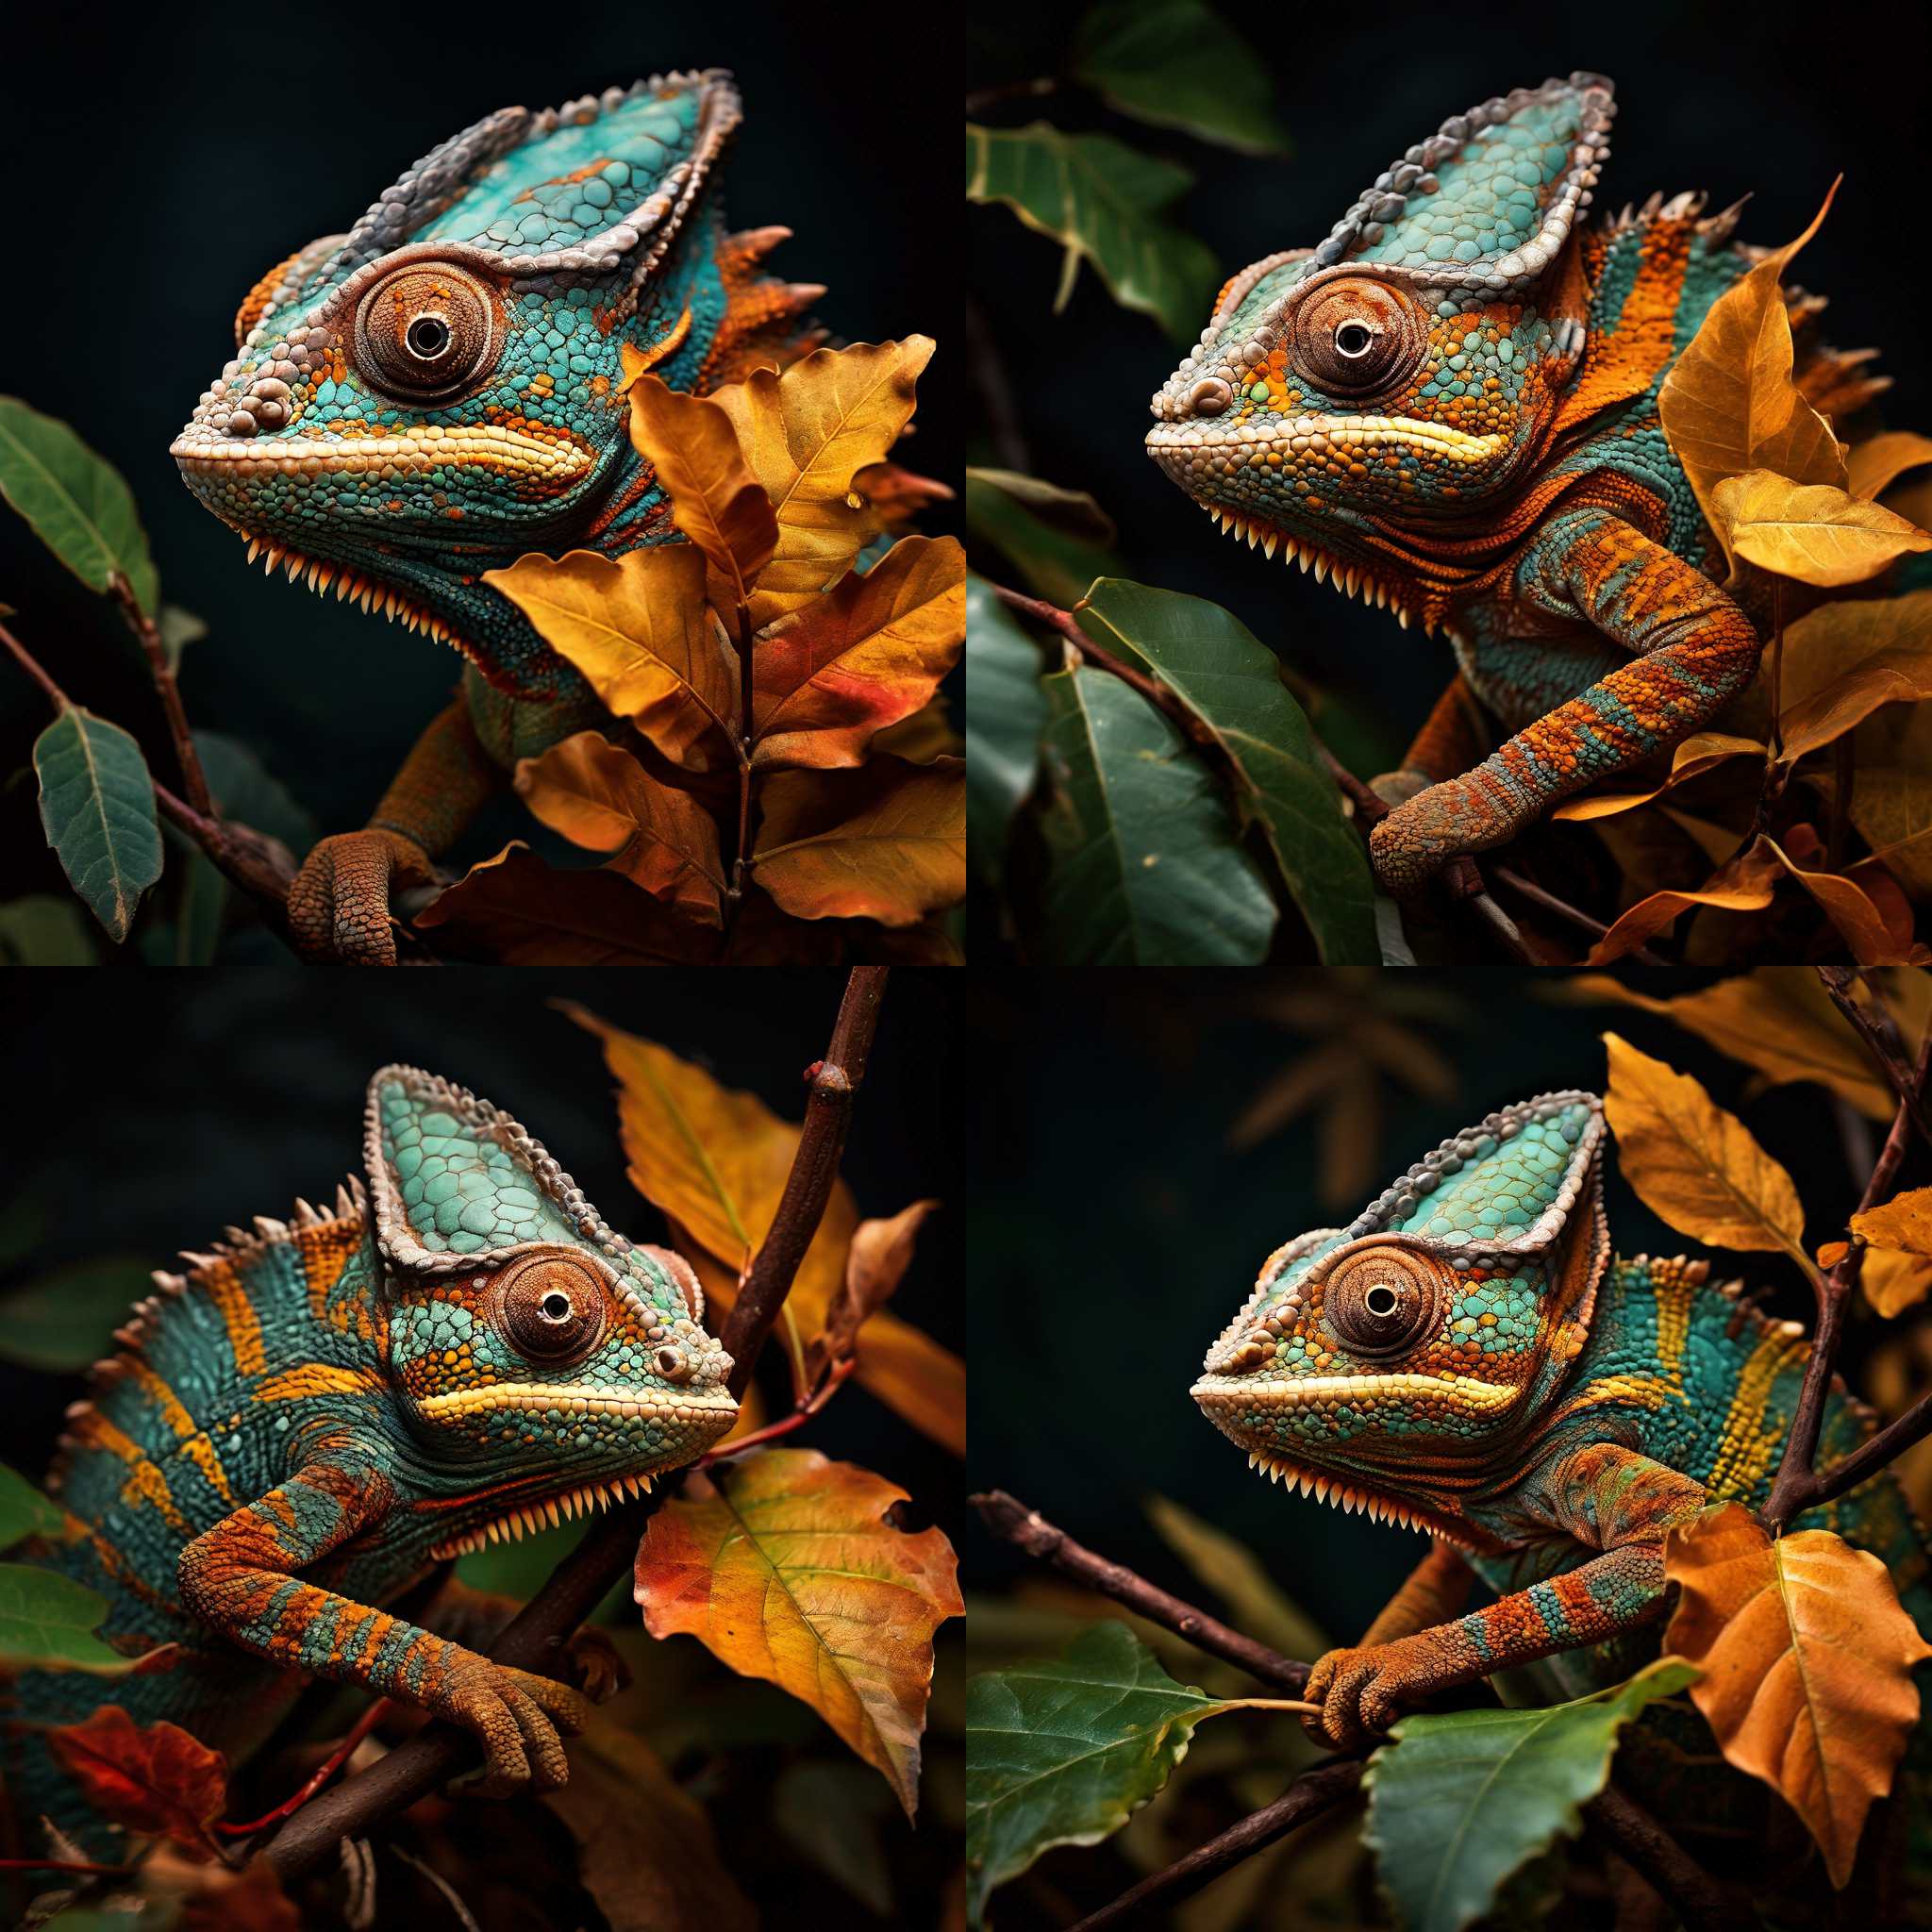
<point x="240" y="1577"/>
<point x="1692" y="650"/>
<point x="1603" y="1497"/>
<point x="1432" y="1591"/>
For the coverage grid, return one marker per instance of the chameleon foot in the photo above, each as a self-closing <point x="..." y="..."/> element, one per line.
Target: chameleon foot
<point x="518" y="1719"/>
<point x="339" y="903"/>
<point x="1362" y="1691"/>
<point x="1423" y="833"/>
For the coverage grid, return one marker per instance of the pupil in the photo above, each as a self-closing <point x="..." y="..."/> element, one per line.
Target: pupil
<point x="428" y="335"/>
<point x="1352" y="338"/>
<point x="555" y="1307"/>
<point x="1381" y="1301"/>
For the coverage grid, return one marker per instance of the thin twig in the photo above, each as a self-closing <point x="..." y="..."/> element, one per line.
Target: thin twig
<point x="148" y="634"/>
<point x="1316" y="1790"/>
<point x="1009" y="1518"/>
<point x="1641" y="1842"/>
<point x="1892" y="1063"/>
<point x="1540" y="895"/>
<point x="536" y="1637"/>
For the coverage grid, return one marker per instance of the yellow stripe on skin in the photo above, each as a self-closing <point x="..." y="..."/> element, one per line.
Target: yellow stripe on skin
<point x="1463" y="1390"/>
<point x="223" y="1288"/>
<point x="580" y="1400"/>
<point x="1747" y="1445"/>
<point x="317" y="1378"/>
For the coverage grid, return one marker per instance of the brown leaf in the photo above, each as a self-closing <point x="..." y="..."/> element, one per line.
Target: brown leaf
<point x="898" y="495"/>
<point x="926" y="735"/>
<point x="887" y="842"/>
<point x="1806" y="1658"/>
<point x="806" y="434"/>
<point x="880" y="1254"/>
<point x="639" y="628"/>
<point x="788" y="1567"/>
<point x="155" y="1779"/>
<point x="1695" y="1166"/>
<point x="868" y="653"/>
<point x="1891" y="807"/>
<point x="1691" y="759"/>
<point x="599" y="797"/>
<point x="250" y="1900"/>
<point x="1817" y="532"/>
<point x="1878" y="935"/>
<point x="645" y="1849"/>
<point x="715" y="500"/>
<point x="515" y="910"/>
<point x="1845" y="659"/>
<point x="1729" y="404"/>
<point x="1877" y="461"/>
<point x="1745" y="885"/>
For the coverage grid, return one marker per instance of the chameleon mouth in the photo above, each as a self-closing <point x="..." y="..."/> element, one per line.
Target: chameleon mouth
<point x="515" y="1524"/>
<point x="201" y="454"/>
<point x="1298" y="438"/>
<point x="1349" y="1497"/>
<point x="716" y="1411"/>
<point x="1231" y="1394"/>
<point x="1352" y="580"/>
<point x="380" y="599"/>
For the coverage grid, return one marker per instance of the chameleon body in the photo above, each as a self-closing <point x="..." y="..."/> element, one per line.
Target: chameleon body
<point x="442" y="390"/>
<point x="1468" y="1357"/>
<point x="317" y="1414"/>
<point x="1450" y="408"/>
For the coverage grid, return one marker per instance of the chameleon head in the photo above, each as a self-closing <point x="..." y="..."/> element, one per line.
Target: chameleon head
<point x="445" y="381"/>
<point x="545" y="1361"/>
<point x="1388" y="1353"/>
<point x="1403" y="373"/>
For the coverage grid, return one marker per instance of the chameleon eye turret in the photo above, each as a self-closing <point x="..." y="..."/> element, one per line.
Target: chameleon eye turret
<point x="428" y="333"/>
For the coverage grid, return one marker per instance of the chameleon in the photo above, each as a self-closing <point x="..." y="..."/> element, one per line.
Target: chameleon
<point x="1470" y="1358"/>
<point x="1449" y="409"/>
<point x="442" y="390"/>
<point x="322" y="1411"/>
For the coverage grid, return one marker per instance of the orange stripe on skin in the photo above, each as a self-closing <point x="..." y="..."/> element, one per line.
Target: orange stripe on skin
<point x="316" y="1378"/>
<point x="223" y="1288"/>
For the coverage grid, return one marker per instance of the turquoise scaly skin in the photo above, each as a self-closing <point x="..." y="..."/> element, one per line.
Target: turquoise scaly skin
<point x="1469" y="1359"/>
<point x="1450" y="406"/>
<point x="317" y="1414"/>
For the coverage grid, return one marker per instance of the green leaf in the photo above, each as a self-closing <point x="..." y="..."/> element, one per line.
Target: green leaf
<point x="97" y="808"/>
<point x="1059" y="539"/>
<point x="43" y="930"/>
<point x="1457" y="1802"/>
<point x="1176" y="63"/>
<point x="47" y="1621"/>
<point x="79" y="505"/>
<point x="250" y="794"/>
<point x="1147" y="864"/>
<point x="24" y="1511"/>
<point x="1063" y="1751"/>
<point x="1005" y="711"/>
<point x="66" y="1320"/>
<point x="178" y="628"/>
<point x="1101" y="200"/>
<point x="1224" y="674"/>
<point x="1254" y="1602"/>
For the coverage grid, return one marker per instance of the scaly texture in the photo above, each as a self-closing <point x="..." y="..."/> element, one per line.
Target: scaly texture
<point x="440" y="392"/>
<point x="304" y="1424"/>
<point x="1469" y="1358"/>
<point x="1451" y="406"/>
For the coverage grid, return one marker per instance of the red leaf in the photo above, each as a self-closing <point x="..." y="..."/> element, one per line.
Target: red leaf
<point x="155" y="1779"/>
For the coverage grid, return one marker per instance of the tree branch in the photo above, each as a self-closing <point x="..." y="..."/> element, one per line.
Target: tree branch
<point x="535" y="1638"/>
<point x="1009" y="1518"/>
<point x="148" y="635"/>
<point x="1640" y="1841"/>
<point x="1316" y="1790"/>
<point x="1881" y="1043"/>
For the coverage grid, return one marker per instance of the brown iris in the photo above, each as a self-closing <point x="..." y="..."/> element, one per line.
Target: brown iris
<point x="427" y="332"/>
<point x="1356" y="335"/>
<point x="553" y="1306"/>
<point x="1383" y="1299"/>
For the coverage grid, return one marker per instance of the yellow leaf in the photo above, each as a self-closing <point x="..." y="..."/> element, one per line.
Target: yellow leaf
<point x="1873" y="939"/>
<point x="1745" y="885"/>
<point x="881" y="1253"/>
<point x="1845" y="659"/>
<point x="1729" y="404"/>
<point x="1695" y="1166"/>
<point x="833" y="673"/>
<point x="715" y="500"/>
<point x="1691" y="759"/>
<point x="1903" y="1223"/>
<point x="639" y="628"/>
<point x="1893" y="1282"/>
<point x="806" y="434"/>
<point x="1815" y="532"/>
<point x="1806" y="1658"/>
<point x="599" y="797"/>
<point x="887" y="842"/>
<point x="1879" y="460"/>
<point x="788" y="1567"/>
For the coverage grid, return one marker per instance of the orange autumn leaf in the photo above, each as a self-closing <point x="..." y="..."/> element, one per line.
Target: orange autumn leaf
<point x="806" y="434"/>
<point x="868" y="653"/>
<point x="1729" y="404"/>
<point x="1745" y="885"/>
<point x="599" y="797"/>
<point x="1902" y="1224"/>
<point x="1691" y="759"/>
<point x="787" y="1566"/>
<point x="515" y="910"/>
<point x="250" y="1900"/>
<point x="155" y="1779"/>
<point x="929" y="734"/>
<point x="1845" y="659"/>
<point x="1877" y="928"/>
<point x="1817" y="532"/>
<point x="1694" y="1165"/>
<point x="887" y="842"/>
<point x="880" y="1253"/>
<point x="1806" y="1656"/>
<point x="715" y="500"/>
<point x="1881" y="459"/>
<point x="1894" y="1282"/>
<point x="639" y="628"/>
<point x="898" y="496"/>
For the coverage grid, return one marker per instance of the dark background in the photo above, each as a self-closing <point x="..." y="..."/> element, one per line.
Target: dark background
<point x="1773" y="100"/>
<point x="1114" y="1233"/>
<point x="172" y="157"/>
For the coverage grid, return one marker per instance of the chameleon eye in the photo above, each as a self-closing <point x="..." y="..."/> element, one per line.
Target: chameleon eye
<point x="552" y="1306"/>
<point x="426" y="333"/>
<point x="1357" y="334"/>
<point x="1383" y="1300"/>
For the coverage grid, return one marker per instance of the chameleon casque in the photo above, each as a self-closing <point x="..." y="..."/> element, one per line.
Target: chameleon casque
<point x="316" y="1415"/>
<point x="1469" y="1358"/>
<point x="440" y="390"/>
<point x="1450" y="408"/>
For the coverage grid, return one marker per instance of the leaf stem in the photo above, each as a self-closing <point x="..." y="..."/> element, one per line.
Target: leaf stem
<point x="148" y="635"/>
